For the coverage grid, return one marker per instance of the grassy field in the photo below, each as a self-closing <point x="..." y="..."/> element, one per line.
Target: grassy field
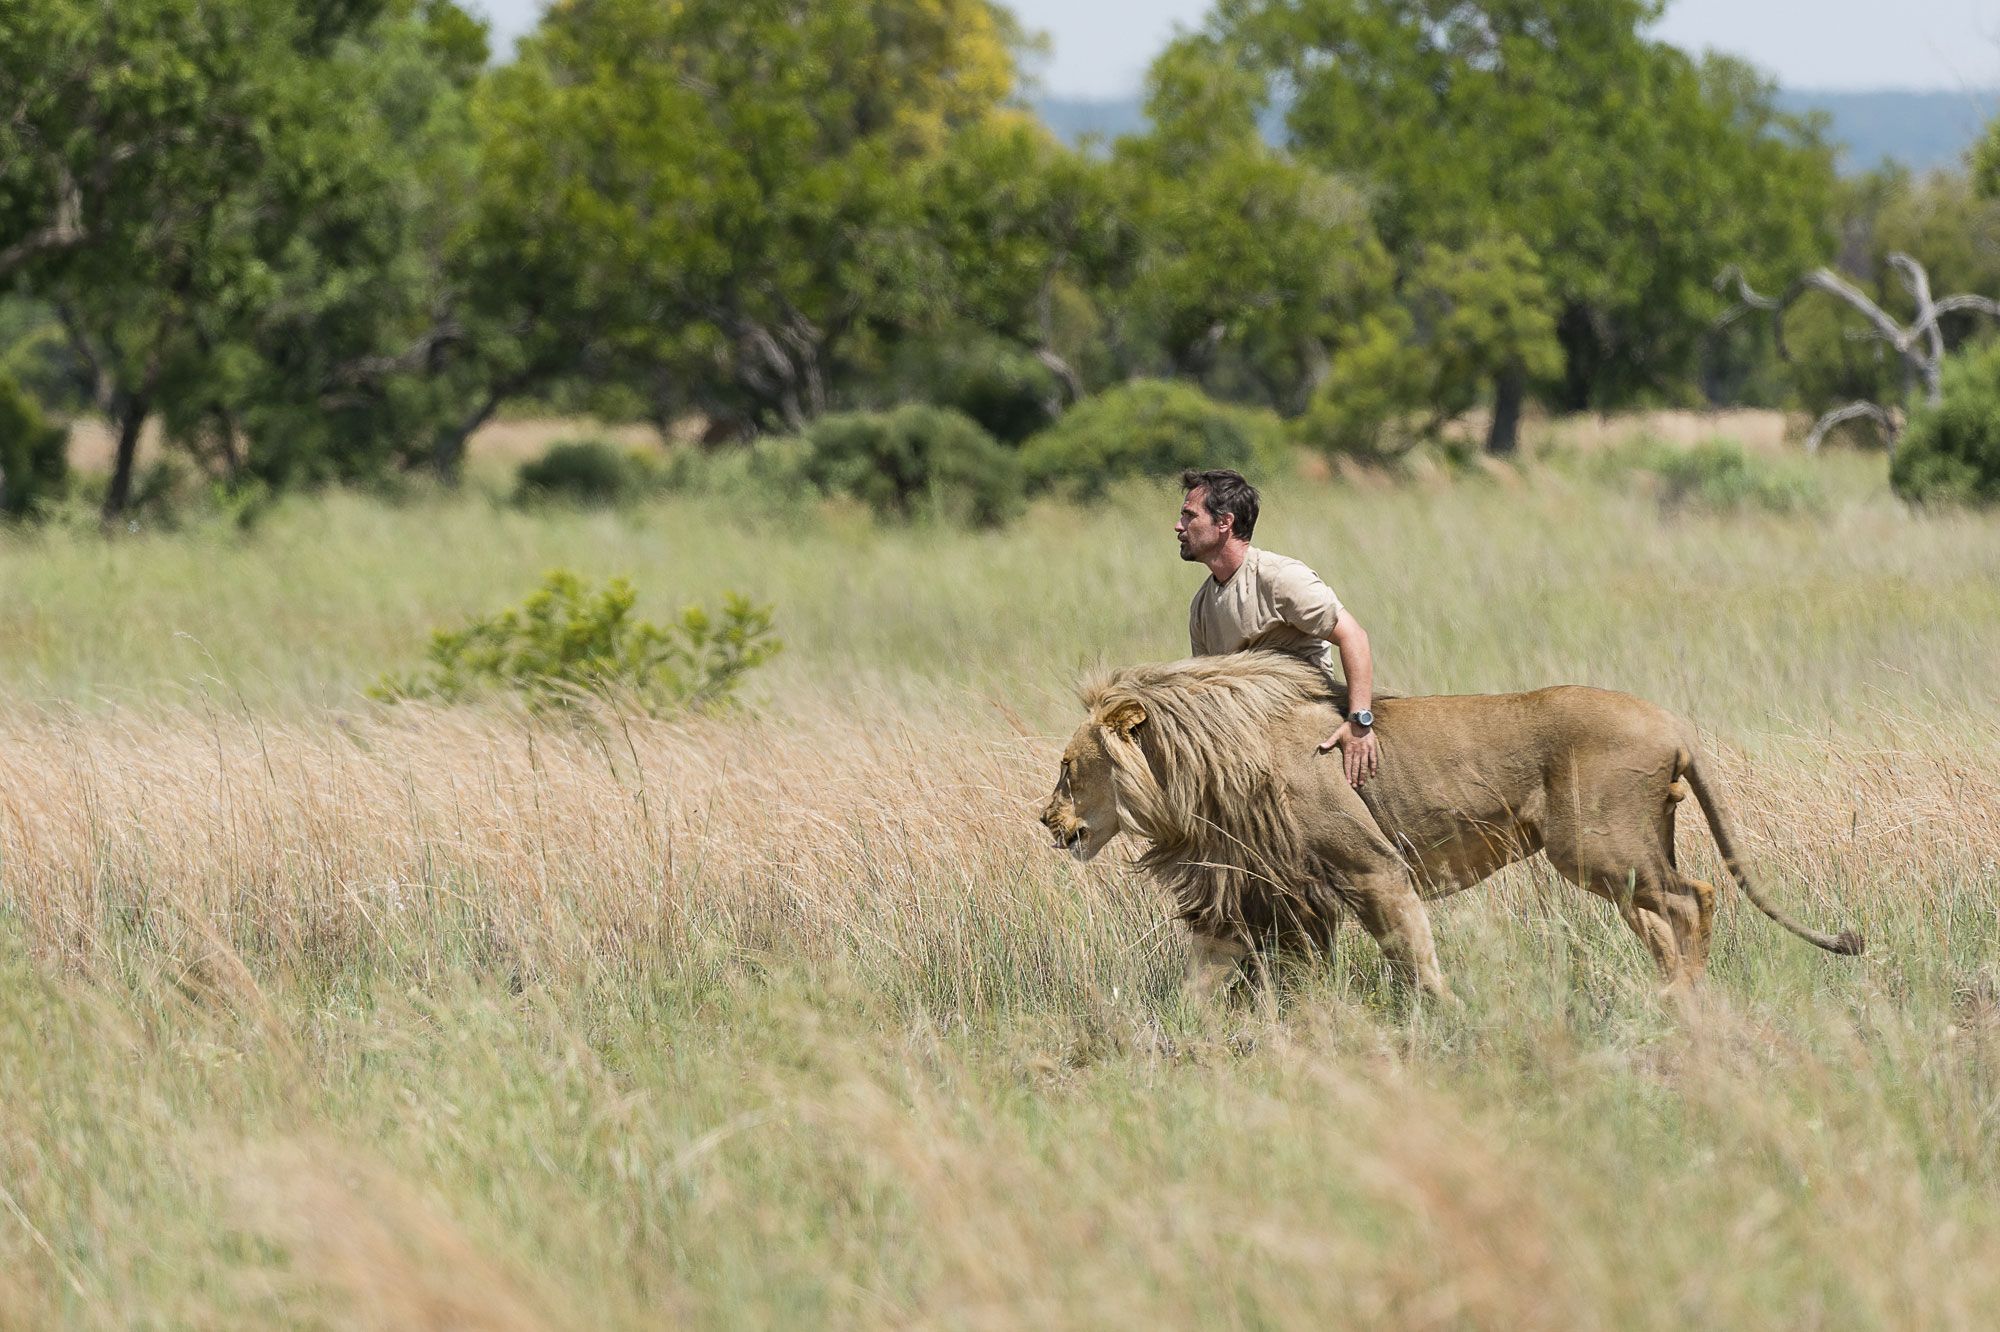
<point x="319" y="1011"/>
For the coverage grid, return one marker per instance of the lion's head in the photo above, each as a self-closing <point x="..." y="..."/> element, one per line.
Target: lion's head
<point x="1083" y="812"/>
<point x="1180" y="755"/>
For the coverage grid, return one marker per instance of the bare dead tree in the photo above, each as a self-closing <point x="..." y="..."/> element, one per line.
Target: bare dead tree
<point x="1920" y="343"/>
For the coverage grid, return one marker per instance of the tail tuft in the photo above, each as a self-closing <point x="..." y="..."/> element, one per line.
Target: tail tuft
<point x="1849" y="943"/>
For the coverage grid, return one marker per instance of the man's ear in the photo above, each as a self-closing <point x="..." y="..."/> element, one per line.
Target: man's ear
<point x="1125" y="718"/>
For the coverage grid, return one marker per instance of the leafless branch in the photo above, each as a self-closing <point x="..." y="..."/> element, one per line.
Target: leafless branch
<point x="1065" y="374"/>
<point x="1985" y="305"/>
<point x="1919" y="284"/>
<point x="1855" y="411"/>
<point x="1920" y="343"/>
<point x="418" y="355"/>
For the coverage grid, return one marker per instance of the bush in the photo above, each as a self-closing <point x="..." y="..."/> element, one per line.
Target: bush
<point x="1951" y="451"/>
<point x="772" y="472"/>
<point x="1149" y="427"/>
<point x="915" y="461"/>
<point x="1719" y="474"/>
<point x="1006" y="390"/>
<point x="586" y="471"/>
<point x="34" y="457"/>
<point x="567" y="644"/>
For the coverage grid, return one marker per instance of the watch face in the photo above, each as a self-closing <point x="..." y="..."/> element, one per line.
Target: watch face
<point x="1364" y="718"/>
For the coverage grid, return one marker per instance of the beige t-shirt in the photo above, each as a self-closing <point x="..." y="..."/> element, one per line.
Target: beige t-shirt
<point x="1270" y="602"/>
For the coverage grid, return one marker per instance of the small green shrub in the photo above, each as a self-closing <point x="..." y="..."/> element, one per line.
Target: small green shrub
<point x="1719" y="474"/>
<point x="34" y="458"/>
<point x="584" y="471"/>
<point x="1951" y="451"/>
<point x="567" y="644"/>
<point x="1149" y="427"/>
<point x="915" y="461"/>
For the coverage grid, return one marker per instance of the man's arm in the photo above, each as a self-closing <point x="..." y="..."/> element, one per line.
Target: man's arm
<point x="1357" y="666"/>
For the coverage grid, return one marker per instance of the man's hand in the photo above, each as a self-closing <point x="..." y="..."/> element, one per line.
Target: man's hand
<point x="1357" y="751"/>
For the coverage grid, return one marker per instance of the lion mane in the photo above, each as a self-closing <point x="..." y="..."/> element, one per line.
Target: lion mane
<point x="1200" y="782"/>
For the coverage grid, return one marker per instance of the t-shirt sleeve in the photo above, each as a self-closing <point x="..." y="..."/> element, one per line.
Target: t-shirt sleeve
<point x="1303" y="601"/>
<point x="1195" y="648"/>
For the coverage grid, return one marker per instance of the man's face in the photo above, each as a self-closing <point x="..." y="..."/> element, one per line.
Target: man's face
<point x="1200" y="535"/>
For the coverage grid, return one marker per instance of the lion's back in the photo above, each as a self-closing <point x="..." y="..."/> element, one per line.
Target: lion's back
<point x="1549" y="721"/>
<point x="1500" y="754"/>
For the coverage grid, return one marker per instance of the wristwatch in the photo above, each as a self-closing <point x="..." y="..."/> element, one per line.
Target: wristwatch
<point x="1362" y="717"/>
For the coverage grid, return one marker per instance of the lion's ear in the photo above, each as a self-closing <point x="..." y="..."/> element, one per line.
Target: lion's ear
<point x="1124" y="718"/>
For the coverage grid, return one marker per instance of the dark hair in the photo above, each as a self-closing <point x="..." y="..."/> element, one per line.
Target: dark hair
<point x="1227" y="493"/>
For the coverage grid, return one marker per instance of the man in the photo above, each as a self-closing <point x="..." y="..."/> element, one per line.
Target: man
<point x="1255" y="599"/>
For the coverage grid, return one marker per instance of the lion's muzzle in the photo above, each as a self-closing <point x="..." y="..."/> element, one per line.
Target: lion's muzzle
<point x="1067" y="829"/>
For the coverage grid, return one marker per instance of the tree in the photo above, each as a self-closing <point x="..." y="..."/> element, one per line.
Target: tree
<point x="244" y="180"/>
<point x="1479" y="315"/>
<point x="1985" y="163"/>
<point x="1242" y="255"/>
<point x="734" y="181"/>
<point x="1012" y="221"/>
<point x="127" y="123"/>
<point x="1631" y="171"/>
<point x="349" y="355"/>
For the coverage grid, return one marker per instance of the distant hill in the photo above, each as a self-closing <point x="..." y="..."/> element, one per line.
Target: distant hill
<point x="1921" y="130"/>
<point x="1106" y="117"/>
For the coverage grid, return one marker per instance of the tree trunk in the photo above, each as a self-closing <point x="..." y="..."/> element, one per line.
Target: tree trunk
<point x="132" y="415"/>
<point x="1503" y="436"/>
<point x="448" y="449"/>
<point x="226" y="436"/>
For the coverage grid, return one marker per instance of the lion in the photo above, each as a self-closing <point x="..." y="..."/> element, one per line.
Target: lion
<point x="1260" y="840"/>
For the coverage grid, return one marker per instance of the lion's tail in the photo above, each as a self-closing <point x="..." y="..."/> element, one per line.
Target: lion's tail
<point x="1847" y="942"/>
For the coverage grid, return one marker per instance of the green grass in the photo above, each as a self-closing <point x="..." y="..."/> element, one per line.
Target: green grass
<point x="320" y="1011"/>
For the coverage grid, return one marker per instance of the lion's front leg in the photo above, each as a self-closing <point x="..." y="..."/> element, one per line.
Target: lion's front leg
<point x="1214" y="964"/>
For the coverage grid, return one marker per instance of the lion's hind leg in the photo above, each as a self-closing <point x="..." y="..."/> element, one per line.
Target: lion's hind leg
<point x="1671" y="915"/>
<point x="1694" y="947"/>
<point x="1610" y="831"/>
<point x="1668" y="912"/>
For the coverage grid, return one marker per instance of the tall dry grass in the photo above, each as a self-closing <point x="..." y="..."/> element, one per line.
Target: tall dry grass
<point x="317" y="1012"/>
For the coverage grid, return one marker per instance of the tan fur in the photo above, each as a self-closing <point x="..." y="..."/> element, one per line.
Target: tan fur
<point x="1259" y="839"/>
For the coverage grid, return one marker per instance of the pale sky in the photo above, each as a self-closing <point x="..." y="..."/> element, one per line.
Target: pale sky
<point x="1102" y="47"/>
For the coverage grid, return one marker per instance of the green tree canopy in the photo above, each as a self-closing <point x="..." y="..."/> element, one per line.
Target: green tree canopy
<point x="239" y="192"/>
<point x="1245" y="259"/>
<point x="730" y="187"/>
<point x="1634" y="173"/>
<point x="1014" y="224"/>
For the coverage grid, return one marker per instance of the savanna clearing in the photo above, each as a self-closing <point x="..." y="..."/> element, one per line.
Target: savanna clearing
<point x="315" y="1010"/>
